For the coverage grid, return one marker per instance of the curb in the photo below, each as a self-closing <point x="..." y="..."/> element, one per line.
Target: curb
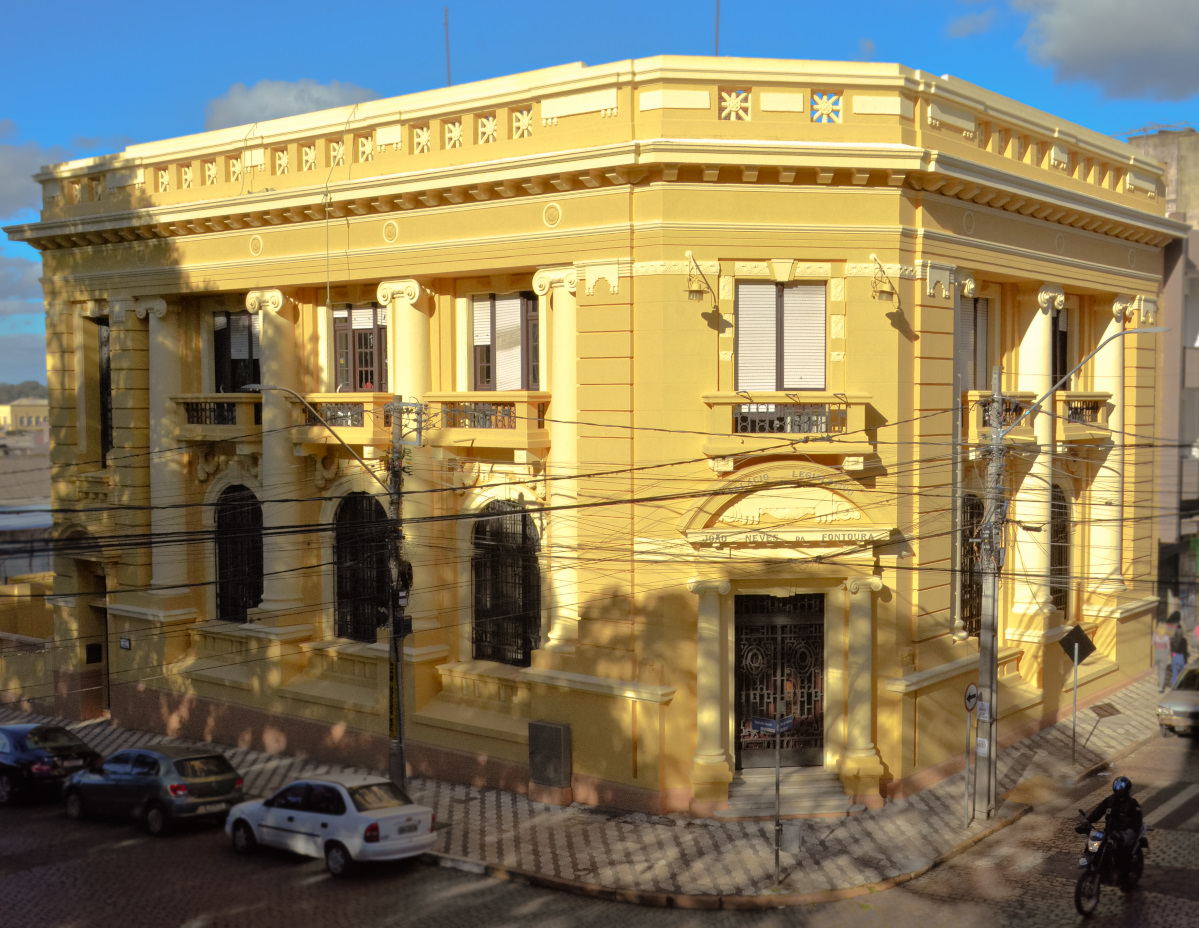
<point x="653" y="899"/>
<point x="1117" y="757"/>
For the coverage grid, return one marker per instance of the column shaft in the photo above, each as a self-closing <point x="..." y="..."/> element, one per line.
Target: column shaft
<point x="167" y="466"/>
<point x="564" y="466"/>
<point x="1105" y="550"/>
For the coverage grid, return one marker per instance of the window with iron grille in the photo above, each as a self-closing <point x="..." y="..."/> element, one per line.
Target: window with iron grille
<point x="104" y="375"/>
<point x="507" y="586"/>
<point x="235" y="350"/>
<point x="360" y="348"/>
<point x="361" y="539"/>
<point x="970" y="599"/>
<point x="780" y="336"/>
<point x="238" y="553"/>
<point x="1059" y="550"/>
<point x="506" y="341"/>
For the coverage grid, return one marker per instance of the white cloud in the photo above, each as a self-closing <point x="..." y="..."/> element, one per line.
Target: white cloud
<point x="20" y="288"/>
<point x="970" y="24"/>
<point x="19" y="161"/>
<point x="243" y="105"/>
<point x="1146" y="49"/>
<point x="23" y="357"/>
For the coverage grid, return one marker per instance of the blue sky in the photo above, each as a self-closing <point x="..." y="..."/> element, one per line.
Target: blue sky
<point x="103" y="77"/>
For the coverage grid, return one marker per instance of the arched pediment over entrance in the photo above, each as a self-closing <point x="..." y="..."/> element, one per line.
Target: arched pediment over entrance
<point x="792" y="506"/>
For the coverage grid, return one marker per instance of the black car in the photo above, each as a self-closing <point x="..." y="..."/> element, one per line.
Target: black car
<point x="158" y="785"/>
<point x="37" y="759"/>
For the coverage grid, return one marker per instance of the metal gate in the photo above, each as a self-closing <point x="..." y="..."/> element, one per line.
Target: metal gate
<point x="780" y="680"/>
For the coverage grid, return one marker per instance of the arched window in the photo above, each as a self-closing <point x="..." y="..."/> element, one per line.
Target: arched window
<point x="238" y="553"/>
<point x="970" y="608"/>
<point x="507" y="586"/>
<point x="361" y="539"/>
<point x="1059" y="550"/>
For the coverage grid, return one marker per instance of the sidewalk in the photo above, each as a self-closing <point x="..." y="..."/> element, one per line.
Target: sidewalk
<point x="676" y="860"/>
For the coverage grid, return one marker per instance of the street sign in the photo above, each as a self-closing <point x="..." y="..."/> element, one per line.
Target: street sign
<point x="971" y="697"/>
<point x="1076" y="636"/>
<point x="769" y="725"/>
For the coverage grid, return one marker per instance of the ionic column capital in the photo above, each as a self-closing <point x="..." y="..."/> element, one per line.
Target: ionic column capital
<point x="150" y="304"/>
<point x="408" y="291"/>
<point x="1051" y="296"/>
<point x="966" y="283"/>
<point x="549" y="277"/>
<point x="258" y="300"/>
<point x="857" y="585"/>
<point x="700" y="587"/>
<point x="1122" y="307"/>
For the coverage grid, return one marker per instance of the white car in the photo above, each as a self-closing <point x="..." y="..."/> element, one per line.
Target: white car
<point x="343" y="817"/>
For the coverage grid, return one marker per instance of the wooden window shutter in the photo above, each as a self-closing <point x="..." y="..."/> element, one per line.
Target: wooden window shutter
<point x="803" y="337"/>
<point x="981" y="377"/>
<point x="757" y="347"/>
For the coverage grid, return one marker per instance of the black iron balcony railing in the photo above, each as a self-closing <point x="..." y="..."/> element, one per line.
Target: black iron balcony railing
<point x="217" y="416"/>
<point x="790" y="418"/>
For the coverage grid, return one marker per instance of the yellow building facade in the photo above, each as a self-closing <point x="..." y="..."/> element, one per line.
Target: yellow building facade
<point x="24" y="415"/>
<point x="700" y="348"/>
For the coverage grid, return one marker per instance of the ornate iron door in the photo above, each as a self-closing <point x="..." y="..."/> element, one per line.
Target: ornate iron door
<point x="780" y="673"/>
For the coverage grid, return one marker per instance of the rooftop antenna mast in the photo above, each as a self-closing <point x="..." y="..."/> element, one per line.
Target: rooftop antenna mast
<point x="446" y="12"/>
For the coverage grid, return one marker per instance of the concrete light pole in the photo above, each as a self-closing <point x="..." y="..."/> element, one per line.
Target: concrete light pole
<point x="991" y="555"/>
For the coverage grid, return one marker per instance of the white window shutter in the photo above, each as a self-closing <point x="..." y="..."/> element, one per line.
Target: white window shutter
<point x="507" y="342"/>
<point x="757" y="325"/>
<point x="256" y="336"/>
<point x="481" y="319"/>
<point x="362" y="317"/>
<point x="803" y="337"/>
<point x="239" y="336"/>
<point x="966" y="349"/>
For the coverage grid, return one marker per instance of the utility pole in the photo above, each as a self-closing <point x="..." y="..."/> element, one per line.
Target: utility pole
<point x="401" y="585"/>
<point x="991" y="553"/>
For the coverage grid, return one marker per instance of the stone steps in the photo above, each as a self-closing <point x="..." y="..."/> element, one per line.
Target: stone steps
<point x="802" y="791"/>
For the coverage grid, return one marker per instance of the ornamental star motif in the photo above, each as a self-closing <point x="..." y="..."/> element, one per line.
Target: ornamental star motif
<point x="453" y="135"/>
<point x="522" y="124"/>
<point x="734" y="105"/>
<point x="421" y="139"/>
<point x="488" y="131"/>
<point x="826" y="107"/>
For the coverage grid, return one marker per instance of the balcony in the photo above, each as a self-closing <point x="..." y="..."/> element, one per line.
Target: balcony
<point x="213" y="417"/>
<point x="488" y="419"/>
<point x="1082" y="417"/>
<point x="976" y="405"/>
<point x="818" y="423"/>
<point x="357" y="418"/>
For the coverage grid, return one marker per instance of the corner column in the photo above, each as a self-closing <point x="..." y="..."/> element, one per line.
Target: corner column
<point x="281" y="471"/>
<point x="1107" y="489"/>
<point x="861" y="768"/>
<point x="559" y="306"/>
<point x="1032" y="601"/>
<point x="711" y="771"/>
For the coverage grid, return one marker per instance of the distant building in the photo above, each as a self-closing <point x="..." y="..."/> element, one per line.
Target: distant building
<point x="25" y="415"/>
<point x="1177" y="433"/>
<point x="704" y="352"/>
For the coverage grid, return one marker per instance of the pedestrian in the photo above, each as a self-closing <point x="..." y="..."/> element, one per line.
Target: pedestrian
<point x="1179" y="653"/>
<point x="1161" y="655"/>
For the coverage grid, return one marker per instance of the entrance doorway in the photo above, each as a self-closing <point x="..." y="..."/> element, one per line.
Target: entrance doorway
<point x="779" y="680"/>
<point x="91" y="610"/>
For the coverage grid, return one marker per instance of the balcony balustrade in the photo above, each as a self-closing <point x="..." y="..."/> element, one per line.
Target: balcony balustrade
<point x="212" y="417"/>
<point x="976" y="406"/>
<point x="825" y="423"/>
<point x="1082" y="416"/>
<point x="487" y="419"/>
<point x="357" y="418"/>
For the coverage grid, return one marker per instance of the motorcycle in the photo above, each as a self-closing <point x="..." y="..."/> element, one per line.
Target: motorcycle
<point x="1100" y="867"/>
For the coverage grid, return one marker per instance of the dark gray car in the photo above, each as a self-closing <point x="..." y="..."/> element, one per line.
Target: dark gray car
<point x="158" y="785"/>
<point x="1178" y="709"/>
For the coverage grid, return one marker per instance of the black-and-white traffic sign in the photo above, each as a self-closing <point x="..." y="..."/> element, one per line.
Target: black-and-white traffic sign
<point x="971" y="697"/>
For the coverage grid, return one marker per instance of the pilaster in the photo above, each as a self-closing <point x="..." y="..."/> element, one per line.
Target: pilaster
<point x="861" y="767"/>
<point x="711" y="771"/>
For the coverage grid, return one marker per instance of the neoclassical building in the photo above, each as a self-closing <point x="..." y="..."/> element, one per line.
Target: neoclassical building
<point x="702" y="350"/>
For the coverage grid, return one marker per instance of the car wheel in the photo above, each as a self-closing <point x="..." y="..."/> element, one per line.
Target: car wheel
<point x="338" y="859"/>
<point x="158" y="823"/>
<point x="244" y="841"/>
<point x="76" y="810"/>
<point x="6" y="789"/>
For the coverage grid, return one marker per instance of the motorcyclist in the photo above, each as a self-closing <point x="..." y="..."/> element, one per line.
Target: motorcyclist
<point x="1124" y="820"/>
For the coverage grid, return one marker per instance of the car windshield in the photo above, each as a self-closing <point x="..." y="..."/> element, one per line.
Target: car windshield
<point x="48" y="737"/>
<point x="1188" y="681"/>
<point x="378" y="796"/>
<point x="196" y="768"/>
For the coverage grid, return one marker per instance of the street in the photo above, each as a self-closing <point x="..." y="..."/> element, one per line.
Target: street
<point x="55" y="872"/>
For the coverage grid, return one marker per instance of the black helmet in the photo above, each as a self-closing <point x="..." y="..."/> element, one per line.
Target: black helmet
<point x="1122" y="786"/>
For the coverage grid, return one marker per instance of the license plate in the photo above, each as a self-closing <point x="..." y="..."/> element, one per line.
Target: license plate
<point x="72" y="762"/>
<point x="407" y="829"/>
<point x="212" y="807"/>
